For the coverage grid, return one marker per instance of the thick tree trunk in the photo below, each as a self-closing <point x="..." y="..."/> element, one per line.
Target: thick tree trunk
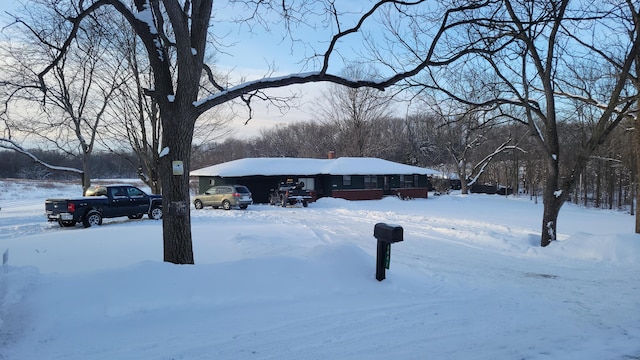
<point x="553" y="201"/>
<point x="86" y="174"/>
<point x="464" y="188"/>
<point x="156" y="183"/>
<point x="585" y="190"/>
<point x="611" y="190"/>
<point x="598" y="185"/>
<point x="553" y="196"/>
<point x="461" y="169"/>
<point x="178" y="248"/>
<point x="637" y="173"/>
<point x="632" y="202"/>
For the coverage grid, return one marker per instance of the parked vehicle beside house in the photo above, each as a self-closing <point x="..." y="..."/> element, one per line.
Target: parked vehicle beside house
<point x="350" y="178"/>
<point x="224" y="196"/>
<point x="290" y="193"/>
<point x="102" y="202"/>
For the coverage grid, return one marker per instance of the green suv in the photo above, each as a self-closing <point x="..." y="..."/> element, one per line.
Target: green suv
<point x="224" y="196"/>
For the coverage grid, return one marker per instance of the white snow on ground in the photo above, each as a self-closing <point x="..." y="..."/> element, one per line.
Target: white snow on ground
<point x="468" y="282"/>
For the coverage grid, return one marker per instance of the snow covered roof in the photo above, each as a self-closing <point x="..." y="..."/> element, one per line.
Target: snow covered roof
<point x="305" y="166"/>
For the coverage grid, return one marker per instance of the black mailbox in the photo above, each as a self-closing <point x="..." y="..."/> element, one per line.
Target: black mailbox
<point x="386" y="235"/>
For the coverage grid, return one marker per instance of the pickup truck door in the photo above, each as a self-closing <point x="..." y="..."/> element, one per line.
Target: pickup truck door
<point x="139" y="201"/>
<point x="119" y="202"/>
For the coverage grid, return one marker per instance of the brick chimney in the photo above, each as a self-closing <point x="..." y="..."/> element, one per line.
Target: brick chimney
<point x="331" y="155"/>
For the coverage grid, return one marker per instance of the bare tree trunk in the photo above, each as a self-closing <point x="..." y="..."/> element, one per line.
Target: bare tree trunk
<point x="178" y="247"/>
<point x="156" y="183"/>
<point x="550" y="219"/>
<point x="598" y="184"/>
<point x="611" y="183"/>
<point x="86" y="173"/>
<point x="637" y="172"/>
<point x="585" y="189"/>
<point x="632" y="199"/>
<point x="551" y="199"/>
<point x="464" y="187"/>
<point x="620" y="200"/>
<point x="516" y="174"/>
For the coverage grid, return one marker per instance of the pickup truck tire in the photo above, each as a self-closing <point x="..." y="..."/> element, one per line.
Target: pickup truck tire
<point x="135" y="216"/>
<point x="226" y="205"/>
<point x="155" y="213"/>
<point x="198" y="204"/>
<point x="91" y="218"/>
<point x="66" y="223"/>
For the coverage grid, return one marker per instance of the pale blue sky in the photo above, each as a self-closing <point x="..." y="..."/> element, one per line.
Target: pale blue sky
<point x="253" y="54"/>
<point x="8" y="5"/>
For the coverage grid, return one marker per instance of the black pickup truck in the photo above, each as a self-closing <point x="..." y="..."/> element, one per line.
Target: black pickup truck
<point x="104" y="202"/>
<point x="290" y="193"/>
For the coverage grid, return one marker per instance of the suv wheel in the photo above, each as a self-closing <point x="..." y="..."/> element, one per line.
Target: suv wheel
<point x="198" y="204"/>
<point x="226" y="205"/>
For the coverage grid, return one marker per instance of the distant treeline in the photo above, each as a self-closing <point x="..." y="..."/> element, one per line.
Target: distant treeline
<point x="103" y="165"/>
<point x="608" y="180"/>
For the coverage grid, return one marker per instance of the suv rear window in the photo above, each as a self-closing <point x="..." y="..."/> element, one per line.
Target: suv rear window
<point x="242" y="190"/>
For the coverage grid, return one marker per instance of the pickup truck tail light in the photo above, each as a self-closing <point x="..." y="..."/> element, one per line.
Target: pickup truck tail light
<point x="71" y="207"/>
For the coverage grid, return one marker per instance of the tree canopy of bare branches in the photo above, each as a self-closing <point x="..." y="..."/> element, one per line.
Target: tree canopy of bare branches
<point x="175" y="36"/>
<point x="538" y="63"/>
<point x="532" y="63"/>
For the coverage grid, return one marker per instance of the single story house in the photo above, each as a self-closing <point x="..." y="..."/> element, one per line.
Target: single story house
<point x="351" y="178"/>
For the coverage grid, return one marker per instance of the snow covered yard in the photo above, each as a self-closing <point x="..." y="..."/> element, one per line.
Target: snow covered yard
<point x="468" y="282"/>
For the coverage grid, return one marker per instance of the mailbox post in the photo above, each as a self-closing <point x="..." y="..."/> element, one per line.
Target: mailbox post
<point x="386" y="235"/>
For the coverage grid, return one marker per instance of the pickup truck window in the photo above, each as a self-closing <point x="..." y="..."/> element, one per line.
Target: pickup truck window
<point x="117" y="192"/>
<point x="135" y="192"/>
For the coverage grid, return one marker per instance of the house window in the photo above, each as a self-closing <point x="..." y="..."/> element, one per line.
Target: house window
<point x="309" y="183"/>
<point x="370" y="182"/>
<point x="406" y="181"/>
<point x="346" y="180"/>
